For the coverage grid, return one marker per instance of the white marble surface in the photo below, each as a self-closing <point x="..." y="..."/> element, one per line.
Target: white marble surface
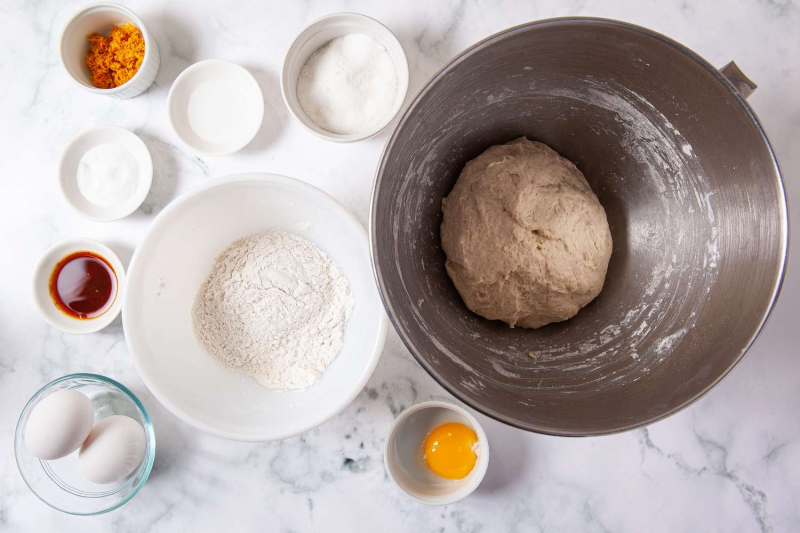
<point x="729" y="463"/>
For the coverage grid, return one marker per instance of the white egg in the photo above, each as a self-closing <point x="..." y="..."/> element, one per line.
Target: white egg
<point x="59" y="424"/>
<point x="114" y="449"/>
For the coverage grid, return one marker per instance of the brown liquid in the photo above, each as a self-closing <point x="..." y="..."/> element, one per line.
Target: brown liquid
<point x="83" y="285"/>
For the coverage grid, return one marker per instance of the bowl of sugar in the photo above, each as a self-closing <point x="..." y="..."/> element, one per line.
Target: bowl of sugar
<point x="345" y="77"/>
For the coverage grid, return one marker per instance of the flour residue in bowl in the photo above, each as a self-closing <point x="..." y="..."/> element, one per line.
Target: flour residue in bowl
<point x="274" y="307"/>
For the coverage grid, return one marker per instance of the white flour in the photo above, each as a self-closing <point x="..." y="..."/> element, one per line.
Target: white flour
<point x="274" y="307"/>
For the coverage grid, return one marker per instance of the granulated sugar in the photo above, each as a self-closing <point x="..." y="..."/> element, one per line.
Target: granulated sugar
<point x="349" y="85"/>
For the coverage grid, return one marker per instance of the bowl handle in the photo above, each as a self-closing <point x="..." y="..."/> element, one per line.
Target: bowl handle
<point x="742" y="83"/>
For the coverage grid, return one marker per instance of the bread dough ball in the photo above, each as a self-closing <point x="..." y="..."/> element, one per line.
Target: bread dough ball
<point x="526" y="239"/>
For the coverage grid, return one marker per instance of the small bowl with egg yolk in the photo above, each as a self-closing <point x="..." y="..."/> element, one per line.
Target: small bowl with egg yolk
<point x="436" y="452"/>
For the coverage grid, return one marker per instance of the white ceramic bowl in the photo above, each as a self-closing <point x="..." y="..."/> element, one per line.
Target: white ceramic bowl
<point x="404" y="459"/>
<point x="68" y="172"/>
<point x="322" y="31"/>
<point x="174" y="259"/>
<point x="215" y="107"/>
<point x="41" y="286"/>
<point x="98" y="18"/>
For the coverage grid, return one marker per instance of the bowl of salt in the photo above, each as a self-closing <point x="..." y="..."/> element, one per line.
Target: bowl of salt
<point x="105" y="173"/>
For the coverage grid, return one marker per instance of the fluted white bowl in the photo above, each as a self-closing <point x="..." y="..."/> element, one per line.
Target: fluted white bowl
<point x="99" y="18"/>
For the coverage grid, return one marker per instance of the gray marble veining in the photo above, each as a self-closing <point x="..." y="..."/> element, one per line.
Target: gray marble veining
<point x="731" y="462"/>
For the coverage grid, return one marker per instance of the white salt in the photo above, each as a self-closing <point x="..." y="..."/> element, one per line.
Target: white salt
<point x="108" y="174"/>
<point x="349" y="85"/>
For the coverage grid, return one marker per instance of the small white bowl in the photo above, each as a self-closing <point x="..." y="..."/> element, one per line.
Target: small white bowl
<point x="41" y="287"/>
<point x="322" y="31"/>
<point x="215" y="107"/>
<point x="68" y="172"/>
<point x="99" y="18"/>
<point x="404" y="459"/>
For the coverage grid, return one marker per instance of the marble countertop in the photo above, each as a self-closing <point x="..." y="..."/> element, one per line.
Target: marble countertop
<point x="730" y="462"/>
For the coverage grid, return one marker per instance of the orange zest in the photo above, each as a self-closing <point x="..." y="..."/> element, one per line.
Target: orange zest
<point x="115" y="59"/>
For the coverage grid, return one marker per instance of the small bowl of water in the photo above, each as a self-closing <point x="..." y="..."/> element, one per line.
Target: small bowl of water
<point x="58" y="483"/>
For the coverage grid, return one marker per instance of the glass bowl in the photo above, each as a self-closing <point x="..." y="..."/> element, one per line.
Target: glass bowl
<point x="58" y="483"/>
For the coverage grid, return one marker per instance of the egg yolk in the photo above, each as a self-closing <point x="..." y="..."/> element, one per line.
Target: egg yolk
<point x="450" y="450"/>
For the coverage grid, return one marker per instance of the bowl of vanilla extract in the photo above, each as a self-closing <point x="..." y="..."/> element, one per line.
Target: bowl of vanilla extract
<point x="78" y="286"/>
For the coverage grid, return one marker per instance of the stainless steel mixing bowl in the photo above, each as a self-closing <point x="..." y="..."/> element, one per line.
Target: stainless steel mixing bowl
<point x="694" y="199"/>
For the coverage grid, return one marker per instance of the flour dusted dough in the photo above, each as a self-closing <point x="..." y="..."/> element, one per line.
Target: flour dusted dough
<point x="526" y="239"/>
